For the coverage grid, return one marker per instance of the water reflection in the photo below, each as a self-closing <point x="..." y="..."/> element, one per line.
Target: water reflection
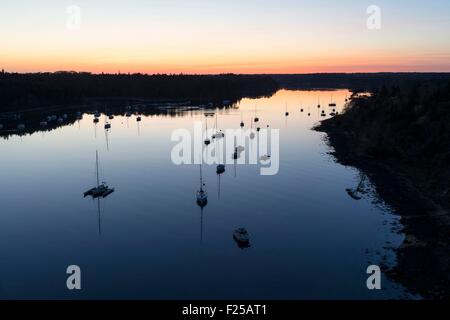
<point x="153" y="250"/>
<point x="356" y="193"/>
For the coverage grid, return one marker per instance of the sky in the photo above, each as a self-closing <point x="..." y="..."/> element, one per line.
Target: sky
<point x="211" y="36"/>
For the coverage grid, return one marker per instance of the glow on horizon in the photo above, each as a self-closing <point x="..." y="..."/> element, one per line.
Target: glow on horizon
<point x="287" y="36"/>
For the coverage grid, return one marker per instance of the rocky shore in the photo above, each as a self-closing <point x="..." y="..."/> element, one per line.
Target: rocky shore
<point x="415" y="190"/>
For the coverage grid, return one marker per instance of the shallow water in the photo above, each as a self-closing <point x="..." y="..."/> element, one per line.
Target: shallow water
<point x="309" y="239"/>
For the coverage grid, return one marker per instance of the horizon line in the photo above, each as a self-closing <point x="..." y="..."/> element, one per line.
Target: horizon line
<point x="219" y="74"/>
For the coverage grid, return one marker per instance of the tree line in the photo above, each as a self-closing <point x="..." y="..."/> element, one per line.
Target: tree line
<point x="23" y="91"/>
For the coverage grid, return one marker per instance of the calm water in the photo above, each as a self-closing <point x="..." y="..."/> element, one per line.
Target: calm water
<point x="309" y="239"/>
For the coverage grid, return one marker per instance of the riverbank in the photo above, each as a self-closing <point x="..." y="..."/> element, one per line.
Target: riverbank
<point x="423" y="264"/>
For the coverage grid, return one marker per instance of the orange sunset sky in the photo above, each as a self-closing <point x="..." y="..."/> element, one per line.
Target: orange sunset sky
<point x="223" y="36"/>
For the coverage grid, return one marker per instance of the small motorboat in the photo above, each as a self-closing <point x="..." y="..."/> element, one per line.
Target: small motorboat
<point x="220" y="169"/>
<point x="207" y="142"/>
<point x="265" y="157"/>
<point x="242" y="238"/>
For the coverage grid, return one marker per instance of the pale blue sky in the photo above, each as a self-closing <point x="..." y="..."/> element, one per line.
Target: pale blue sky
<point x="231" y="35"/>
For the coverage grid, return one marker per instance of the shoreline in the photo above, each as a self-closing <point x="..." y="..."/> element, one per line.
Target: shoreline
<point x="423" y="262"/>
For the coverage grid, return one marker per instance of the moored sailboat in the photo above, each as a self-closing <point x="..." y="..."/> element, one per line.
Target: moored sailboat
<point x="102" y="189"/>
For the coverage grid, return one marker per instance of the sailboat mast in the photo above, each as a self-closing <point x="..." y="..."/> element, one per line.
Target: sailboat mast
<point x="96" y="161"/>
<point x="201" y="177"/>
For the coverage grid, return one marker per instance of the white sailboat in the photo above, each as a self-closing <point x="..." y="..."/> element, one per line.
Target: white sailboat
<point x="219" y="134"/>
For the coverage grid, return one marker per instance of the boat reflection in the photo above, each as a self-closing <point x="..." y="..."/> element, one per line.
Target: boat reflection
<point x="356" y="193"/>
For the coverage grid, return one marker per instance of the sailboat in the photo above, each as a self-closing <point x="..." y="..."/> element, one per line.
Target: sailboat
<point x="107" y="124"/>
<point x="219" y="134"/>
<point x="355" y="193"/>
<point x="220" y="167"/>
<point x="202" y="195"/>
<point x="256" y="117"/>
<point x="101" y="190"/>
<point x="332" y="104"/>
<point x="207" y="140"/>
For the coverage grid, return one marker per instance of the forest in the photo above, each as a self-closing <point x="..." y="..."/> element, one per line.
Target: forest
<point x="35" y="90"/>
